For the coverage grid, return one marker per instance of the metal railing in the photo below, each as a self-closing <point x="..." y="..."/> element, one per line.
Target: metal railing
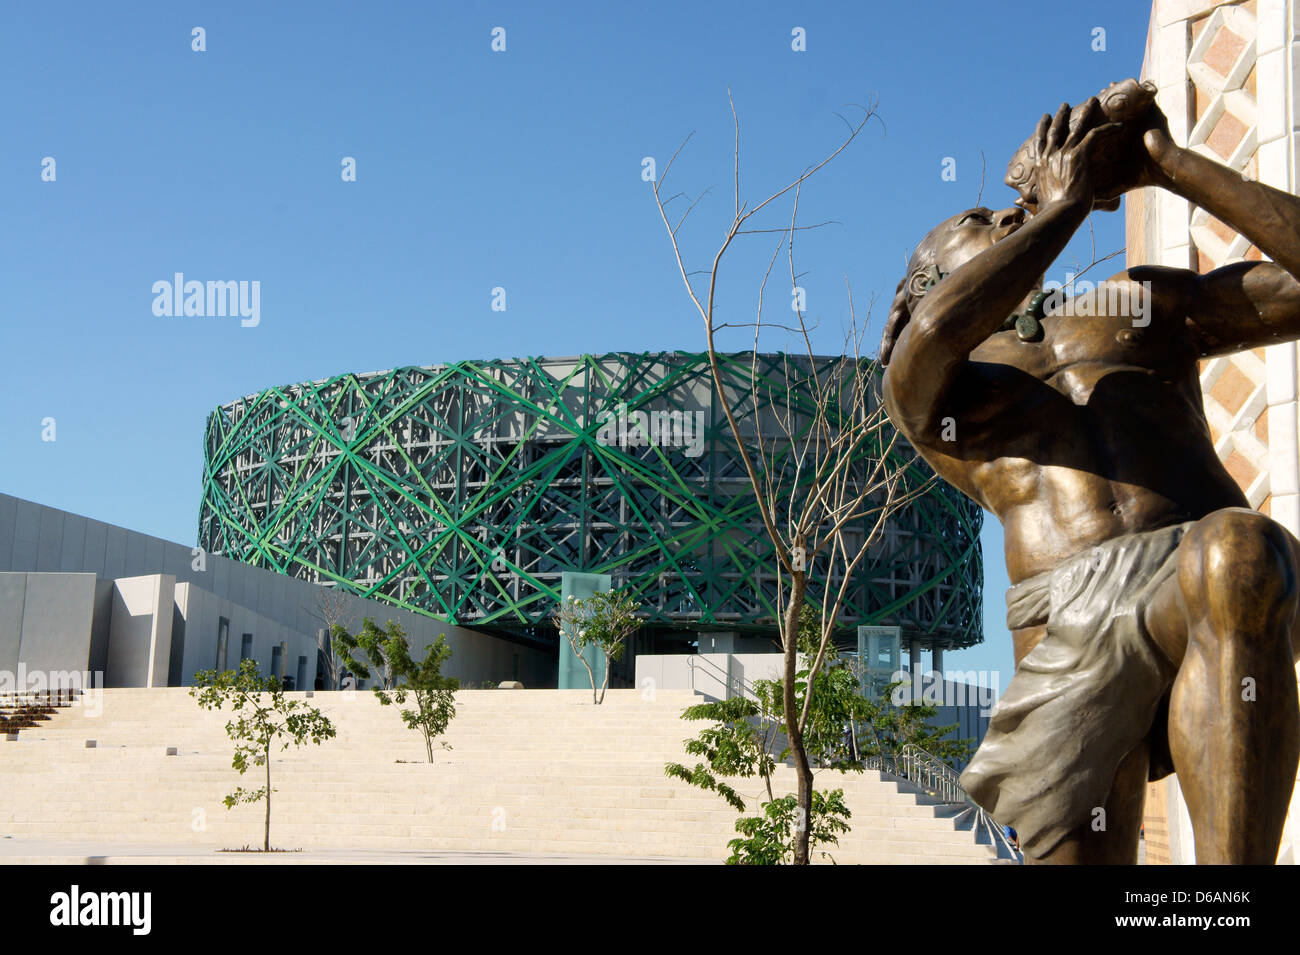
<point x="935" y="777"/>
<point x="930" y="773"/>
<point x="938" y="779"/>
<point x="735" y="685"/>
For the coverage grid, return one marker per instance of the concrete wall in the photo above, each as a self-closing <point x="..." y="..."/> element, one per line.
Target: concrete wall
<point x="475" y="657"/>
<point x="140" y="633"/>
<point x="35" y="539"/>
<point x="13" y="590"/>
<point x="707" y="673"/>
<point x="48" y="622"/>
<point x="203" y="611"/>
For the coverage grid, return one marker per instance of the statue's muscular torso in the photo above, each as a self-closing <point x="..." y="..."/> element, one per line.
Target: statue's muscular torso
<point x="1095" y="431"/>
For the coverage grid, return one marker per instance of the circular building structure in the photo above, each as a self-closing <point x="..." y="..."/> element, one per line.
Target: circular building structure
<point x="467" y="491"/>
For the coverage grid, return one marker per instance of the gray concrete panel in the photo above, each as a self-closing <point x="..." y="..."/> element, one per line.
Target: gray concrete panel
<point x="200" y="649"/>
<point x="24" y="558"/>
<point x="51" y="542"/>
<point x="115" y="553"/>
<point x="92" y="560"/>
<point x="219" y="568"/>
<point x="252" y="593"/>
<point x="234" y="591"/>
<point x="8" y="514"/>
<point x="13" y="590"/>
<point x="176" y="561"/>
<point x="74" y="543"/>
<point x="135" y="565"/>
<point x="58" y="619"/>
<point x="27" y="525"/>
<point x="153" y="555"/>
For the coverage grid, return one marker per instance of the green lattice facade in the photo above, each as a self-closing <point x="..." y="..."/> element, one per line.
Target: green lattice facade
<point x="464" y="491"/>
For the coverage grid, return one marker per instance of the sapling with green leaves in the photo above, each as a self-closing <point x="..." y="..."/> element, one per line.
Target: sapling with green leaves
<point x="843" y="729"/>
<point x="740" y="745"/>
<point x="604" y="620"/>
<point x="422" y="682"/>
<point x="384" y="653"/>
<point x="264" y="716"/>
<point x="368" y="654"/>
<point x="769" y="839"/>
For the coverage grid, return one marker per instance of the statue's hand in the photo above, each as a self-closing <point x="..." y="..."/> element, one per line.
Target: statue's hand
<point x="1159" y="148"/>
<point x="1066" y="154"/>
<point x="1126" y="165"/>
<point x="1139" y="161"/>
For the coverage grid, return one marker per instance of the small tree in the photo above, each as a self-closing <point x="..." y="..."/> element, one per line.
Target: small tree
<point x="603" y="620"/>
<point x="435" y="702"/>
<point x="844" y="728"/>
<point x="848" y="722"/>
<point x="739" y="745"/>
<point x="333" y="608"/>
<point x="369" y="653"/>
<point x="264" y="716"/>
<point x="769" y="839"/>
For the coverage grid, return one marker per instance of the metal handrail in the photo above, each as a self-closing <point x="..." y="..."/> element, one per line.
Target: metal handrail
<point x="932" y="774"/>
<point x="738" y="684"/>
<point x="940" y="780"/>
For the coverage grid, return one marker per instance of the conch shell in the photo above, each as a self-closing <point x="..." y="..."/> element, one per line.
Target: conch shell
<point x="1120" y="102"/>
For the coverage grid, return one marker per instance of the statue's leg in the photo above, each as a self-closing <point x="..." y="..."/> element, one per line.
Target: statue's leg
<point x="1225" y="620"/>
<point x="1109" y="838"/>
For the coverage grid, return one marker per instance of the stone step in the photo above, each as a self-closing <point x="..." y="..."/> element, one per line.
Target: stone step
<point x="562" y="776"/>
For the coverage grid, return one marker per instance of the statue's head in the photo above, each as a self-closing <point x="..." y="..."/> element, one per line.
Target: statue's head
<point x="957" y="240"/>
<point x="945" y="248"/>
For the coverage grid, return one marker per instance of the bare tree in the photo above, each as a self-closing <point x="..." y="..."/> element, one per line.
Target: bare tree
<point x="333" y="608"/>
<point x="821" y="456"/>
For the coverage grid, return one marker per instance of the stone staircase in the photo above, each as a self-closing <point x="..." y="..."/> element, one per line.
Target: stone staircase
<point x="528" y="771"/>
<point x="28" y="709"/>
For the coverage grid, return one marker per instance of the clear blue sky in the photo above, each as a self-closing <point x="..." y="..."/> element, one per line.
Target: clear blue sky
<point x="475" y="170"/>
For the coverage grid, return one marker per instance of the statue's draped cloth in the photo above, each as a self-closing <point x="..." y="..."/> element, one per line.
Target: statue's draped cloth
<point x="1080" y="701"/>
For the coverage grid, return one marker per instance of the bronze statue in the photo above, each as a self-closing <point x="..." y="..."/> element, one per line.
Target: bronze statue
<point x="1152" y="611"/>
